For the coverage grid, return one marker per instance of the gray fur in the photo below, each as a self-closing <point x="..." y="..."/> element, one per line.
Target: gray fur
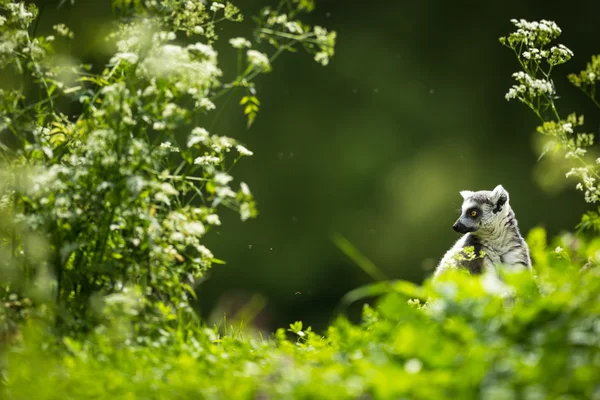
<point x="494" y="230"/>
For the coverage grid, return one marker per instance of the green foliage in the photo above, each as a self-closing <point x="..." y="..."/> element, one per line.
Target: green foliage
<point x="462" y="339"/>
<point x="124" y="208"/>
<point x="111" y="165"/>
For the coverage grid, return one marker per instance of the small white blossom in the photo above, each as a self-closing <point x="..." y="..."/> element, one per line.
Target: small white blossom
<point x="214" y="7"/>
<point x="194" y="228"/>
<point x="206" y="104"/>
<point x="568" y="127"/>
<point x="168" y="189"/>
<point x="198" y="135"/>
<point x="204" y="251"/>
<point x="245" y="211"/>
<point x="213" y="219"/>
<point x="413" y="366"/>
<point x="207" y="160"/>
<point x="259" y="60"/>
<point x="220" y="143"/>
<point x="129" y="57"/>
<point x="169" y="110"/>
<point x="159" y="126"/>
<point x="243" y="151"/>
<point x="245" y="189"/>
<point x="222" y="178"/>
<point x="225" y="191"/>
<point x="240" y="42"/>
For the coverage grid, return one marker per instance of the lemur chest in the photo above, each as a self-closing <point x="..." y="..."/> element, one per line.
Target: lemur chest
<point x="501" y="256"/>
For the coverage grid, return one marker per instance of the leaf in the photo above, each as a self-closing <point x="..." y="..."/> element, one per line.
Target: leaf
<point x="405" y="288"/>
<point x="358" y="258"/>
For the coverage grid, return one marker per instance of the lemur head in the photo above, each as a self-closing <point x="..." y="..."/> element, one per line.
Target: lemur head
<point x="482" y="211"/>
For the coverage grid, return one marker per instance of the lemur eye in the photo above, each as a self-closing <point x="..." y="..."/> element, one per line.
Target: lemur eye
<point x="473" y="213"/>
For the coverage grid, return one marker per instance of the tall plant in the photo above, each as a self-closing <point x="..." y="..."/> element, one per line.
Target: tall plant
<point x="533" y="43"/>
<point x="94" y="161"/>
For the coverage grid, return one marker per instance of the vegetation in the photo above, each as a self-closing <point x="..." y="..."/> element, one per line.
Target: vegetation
<point x="107" y="210"/>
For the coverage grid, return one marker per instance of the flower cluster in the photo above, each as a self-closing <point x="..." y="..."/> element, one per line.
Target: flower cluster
<point x="528" y="87"/>
<point x="285" y="30"/>
<point x="532" y="34"/>
<point x="532" y="46"/>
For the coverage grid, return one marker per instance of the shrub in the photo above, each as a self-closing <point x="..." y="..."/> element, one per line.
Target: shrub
<point x="114" y="169"/>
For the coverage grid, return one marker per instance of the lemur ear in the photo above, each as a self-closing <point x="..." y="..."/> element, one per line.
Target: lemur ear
<point x="466" y="193"/>
<point x="499" y="198"/>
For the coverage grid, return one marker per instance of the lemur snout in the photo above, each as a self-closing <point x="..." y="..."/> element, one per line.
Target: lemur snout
<point x="460" y="227"/>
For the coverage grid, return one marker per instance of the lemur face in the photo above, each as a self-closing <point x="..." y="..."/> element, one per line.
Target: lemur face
<point x="482" y="211"/>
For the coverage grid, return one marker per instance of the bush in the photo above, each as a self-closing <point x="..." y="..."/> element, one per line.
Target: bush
<point x="111" y="168"/>
<point x="462" y="338"/>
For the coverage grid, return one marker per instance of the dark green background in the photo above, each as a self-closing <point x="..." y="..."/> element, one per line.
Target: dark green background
<point x="376" y="145"/>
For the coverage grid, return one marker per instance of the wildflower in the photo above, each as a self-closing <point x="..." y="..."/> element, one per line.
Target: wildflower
<point x="206" y="104"/>
<point x="259" y="60"/>
<point x="207" y="160"/>
<point x="240" y="42"/>
<point x="214" y="7"/>
<point x="213" y="219"/>
<point x="243" y="151"/>
<point x="245" y="189"/>
<point x="413" y="366"/>
<point x="168" y="189"/>
<point x="159" y="126"/>
<point x="245" y="212"/>
<point x="222" y="178"/>
<point x="194" y="228"/>
<point x="198" y="135"/>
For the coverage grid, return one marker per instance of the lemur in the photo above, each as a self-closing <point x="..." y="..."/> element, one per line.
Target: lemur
<point x="489" y="224"/>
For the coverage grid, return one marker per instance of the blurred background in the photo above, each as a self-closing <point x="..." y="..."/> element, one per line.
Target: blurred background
<point x="375" y="146"/>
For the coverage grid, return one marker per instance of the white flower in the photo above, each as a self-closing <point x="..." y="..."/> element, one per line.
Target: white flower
<point x="222" y="178"/>
<point x="159" y="126"/>
<point x="322" y="58"/>
<point x="198" y="135"/>
<point x="225" y="191"/>
<point x="244" y="211"/>
<point x="206" y="104"/>
<point x="177" y="237"/>
<point x="169" y="110"/>
<point x="568" y="127"/>
<point x="166" y="36"/>
<point x="207" y="160"/>
<point x="194" y="228"/>
<point x="243" y="151"/>
<point x="204" y="251"/>
<point x="239" y="42"/>
<point x="220" y="143"/>
<point x="245" y="189"/>
<point x="214" y="7"/>
<point x="213" y="219"/>
<point x="413" y="366"/>
<point x="128" y="57"/>
<point x="259" y="60"/>
<point x="163" y="198"/>
<point x="294" y="27"/>
<point x="204" y="49"/>
<point x="168" y="189"/>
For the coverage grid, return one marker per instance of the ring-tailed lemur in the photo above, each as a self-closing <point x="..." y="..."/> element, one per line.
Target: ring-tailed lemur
<point x="490" y="225"/>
